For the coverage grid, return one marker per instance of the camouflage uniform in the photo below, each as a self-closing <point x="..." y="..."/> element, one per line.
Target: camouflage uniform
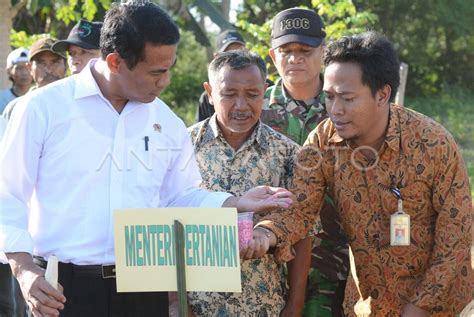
<point x="330" y="260"/>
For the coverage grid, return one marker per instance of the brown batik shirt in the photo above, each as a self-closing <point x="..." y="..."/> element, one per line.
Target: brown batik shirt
<point x="421" y="159"/>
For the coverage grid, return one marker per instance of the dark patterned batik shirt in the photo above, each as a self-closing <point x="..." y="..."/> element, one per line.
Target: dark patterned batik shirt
<point x="420" y="158"/>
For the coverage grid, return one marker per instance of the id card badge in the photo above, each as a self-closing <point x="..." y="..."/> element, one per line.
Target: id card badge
<point x="400" y="227"/>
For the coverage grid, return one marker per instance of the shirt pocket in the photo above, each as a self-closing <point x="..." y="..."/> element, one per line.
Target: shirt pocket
<point x="416" y="198"/>
<point x="416" y="203"/>
<point x="148" y="164"/>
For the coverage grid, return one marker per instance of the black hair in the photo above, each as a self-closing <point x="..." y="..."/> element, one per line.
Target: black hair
<point x="9" y="73"/>
<point x="129" y="26"/>
<point x="237" y="59"/>
<point x="375" y="55"/>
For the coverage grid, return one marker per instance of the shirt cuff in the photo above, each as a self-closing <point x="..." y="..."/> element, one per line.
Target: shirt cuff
<point x="214" y="200"/>
<point x="284" y="251"/>
<point x="13" y="239"/>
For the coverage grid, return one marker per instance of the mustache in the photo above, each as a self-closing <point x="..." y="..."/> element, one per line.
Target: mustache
<point x="241" y="115"/>
<point x="50" y="77"/>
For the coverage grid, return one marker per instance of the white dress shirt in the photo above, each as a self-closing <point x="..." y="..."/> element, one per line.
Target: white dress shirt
<point x="68" y="159"/>
<point x="3" y="126"/>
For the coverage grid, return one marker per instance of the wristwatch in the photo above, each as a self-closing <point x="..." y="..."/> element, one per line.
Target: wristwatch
<point x="267" y="232"/>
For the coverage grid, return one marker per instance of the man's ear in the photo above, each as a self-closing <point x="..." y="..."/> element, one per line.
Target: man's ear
<point x="208" y="89"/>
<point x="271" y="52"/>
<point x="29" y="66"/>
<point x="383" y="95"/>
<point x="114" y="62"/>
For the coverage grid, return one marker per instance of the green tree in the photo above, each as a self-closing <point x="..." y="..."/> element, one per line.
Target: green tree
<point x="37" y="18"/>
<point x="188" y="75"/>
<point x="27" y="21"/>
<point x="340" y="17"/>
<point x="259" y="11"/>
<point x="54" y="17"/>
<point x="435" y="37"/>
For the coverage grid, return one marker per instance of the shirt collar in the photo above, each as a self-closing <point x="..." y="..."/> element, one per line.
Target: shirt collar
<point x="262" y="135"/>
<point x="334" y="137"/>
<point x="85" y="83"/>
<point x="392" y="137"/>
<point x="278" y="94"/>
<point x="86" y="86"/>
<point x="213" y="130"/>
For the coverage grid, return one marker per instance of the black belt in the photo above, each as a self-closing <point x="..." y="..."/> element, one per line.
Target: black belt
<point x="104" y="271"/>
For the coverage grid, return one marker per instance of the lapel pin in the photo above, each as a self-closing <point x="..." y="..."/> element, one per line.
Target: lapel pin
<point x="157" y="127"/>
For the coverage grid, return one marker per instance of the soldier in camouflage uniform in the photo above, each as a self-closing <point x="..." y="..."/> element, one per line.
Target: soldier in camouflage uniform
<point x="293" y="107"/>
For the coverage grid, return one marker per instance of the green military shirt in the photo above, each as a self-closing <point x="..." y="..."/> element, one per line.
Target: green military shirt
<point x="330" y="261"/>
<point x="294" y="118"/>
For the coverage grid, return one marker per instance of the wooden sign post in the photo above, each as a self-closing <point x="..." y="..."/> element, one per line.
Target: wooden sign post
<point x="180" y="269"/>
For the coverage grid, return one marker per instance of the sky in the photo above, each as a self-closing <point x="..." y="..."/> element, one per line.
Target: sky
<point x="234" y="5"/>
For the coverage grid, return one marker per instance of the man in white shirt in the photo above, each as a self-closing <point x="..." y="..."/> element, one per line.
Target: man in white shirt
<point x="3" y="126"/>
<point x="11" y="300"/>
<point x="81" y="147"/>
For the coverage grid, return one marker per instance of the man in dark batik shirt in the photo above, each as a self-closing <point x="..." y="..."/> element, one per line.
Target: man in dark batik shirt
<point x="294" y="107"/>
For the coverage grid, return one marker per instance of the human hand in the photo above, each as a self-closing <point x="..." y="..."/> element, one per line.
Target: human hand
<point x="190" y="312"/>
<point x="261" y="242"/>
<point x="41" y="297"/>
<point x="410" y="310"/>
<point x="291" y="311"/>
<point x="264" y="198"/>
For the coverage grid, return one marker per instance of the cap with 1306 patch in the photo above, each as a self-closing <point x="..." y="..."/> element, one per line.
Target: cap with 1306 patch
<point x="297" y="25"/>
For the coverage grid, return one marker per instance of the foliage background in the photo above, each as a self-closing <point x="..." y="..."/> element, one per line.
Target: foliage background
<point x="434" y="37"/>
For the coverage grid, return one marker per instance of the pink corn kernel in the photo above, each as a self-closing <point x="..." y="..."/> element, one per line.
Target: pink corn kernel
<point x="245" y="225"/>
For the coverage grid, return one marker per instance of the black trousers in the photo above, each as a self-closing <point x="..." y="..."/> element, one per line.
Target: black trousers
<point x="12" y="303"/>
<point x="94" y="296"/>
<point x="6" y="296"/>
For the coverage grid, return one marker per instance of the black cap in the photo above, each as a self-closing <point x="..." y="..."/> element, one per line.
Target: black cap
<point x="297" y="25"/>
<point x="227" y="37"/>
<point x="84" y="34"/>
